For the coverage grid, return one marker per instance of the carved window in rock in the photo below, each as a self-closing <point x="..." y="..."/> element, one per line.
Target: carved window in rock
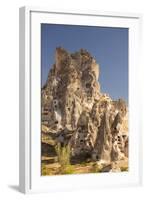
<point x="88" y="85"/>
<point x="55" y="106"/>
<point x="124" y="136"/>
<point x="45" y="113"/>
<point x="45" y="109"/>
<point x="81" y="141"/>
<point x="80" y="131"/>
<point x="55" y="102"/>
<point x="83" y="127"/>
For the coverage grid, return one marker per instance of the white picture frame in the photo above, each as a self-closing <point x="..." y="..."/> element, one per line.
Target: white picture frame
<point x="29" y="160"/>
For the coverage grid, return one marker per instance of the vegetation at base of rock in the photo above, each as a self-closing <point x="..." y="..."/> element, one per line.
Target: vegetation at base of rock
<point x="48" y="171"/>
<point x="124" y="169"/>
<point x="95" y="168"/>
<point x="63" y="154"/>
<point x="68" y="169"/>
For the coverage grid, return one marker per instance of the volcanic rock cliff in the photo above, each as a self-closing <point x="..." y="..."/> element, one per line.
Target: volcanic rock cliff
<point x="78" y="114"/>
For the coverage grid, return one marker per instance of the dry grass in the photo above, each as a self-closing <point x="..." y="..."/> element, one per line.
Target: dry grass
<point x="63" y="154"/>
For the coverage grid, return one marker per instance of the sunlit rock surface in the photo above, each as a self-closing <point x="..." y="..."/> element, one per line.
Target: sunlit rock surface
<point x="77" y="113"/>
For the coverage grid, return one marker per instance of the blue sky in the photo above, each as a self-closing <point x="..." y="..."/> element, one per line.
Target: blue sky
<point x="109" y="46"/>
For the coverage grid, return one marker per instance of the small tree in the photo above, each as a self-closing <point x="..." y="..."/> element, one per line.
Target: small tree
<point x="63" y="154"/>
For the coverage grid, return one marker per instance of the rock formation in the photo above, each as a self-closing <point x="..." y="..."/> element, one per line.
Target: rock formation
<point x="78" y="114"/>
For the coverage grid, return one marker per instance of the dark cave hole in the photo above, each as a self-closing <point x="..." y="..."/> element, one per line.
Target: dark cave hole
<point x="88" y="85"/>
<point x="97" y="157"/>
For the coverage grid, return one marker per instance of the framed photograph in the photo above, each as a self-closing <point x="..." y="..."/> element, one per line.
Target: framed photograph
<point x="79" y="100"/>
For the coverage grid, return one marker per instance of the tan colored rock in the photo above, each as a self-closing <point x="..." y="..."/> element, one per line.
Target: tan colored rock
<point x="78" y="114"/>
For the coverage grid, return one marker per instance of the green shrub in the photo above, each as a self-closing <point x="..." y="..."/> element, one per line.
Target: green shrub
<point x="63" y="154"/>
<point x="68" y="169"/>
<point x="44" y="170"/>
<point x="124" y="169"/>
<point x="95" y="168"/>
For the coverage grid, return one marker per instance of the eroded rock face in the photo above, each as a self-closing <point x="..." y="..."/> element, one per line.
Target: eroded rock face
<point x="75" y="110"/>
